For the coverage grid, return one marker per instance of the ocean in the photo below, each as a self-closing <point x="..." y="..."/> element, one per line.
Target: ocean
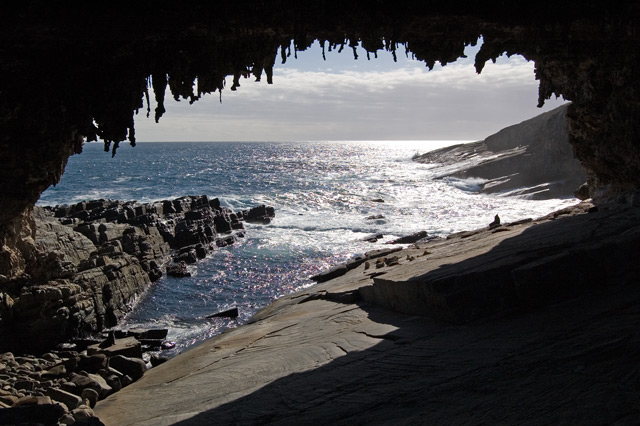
<point x="328" y="196"/>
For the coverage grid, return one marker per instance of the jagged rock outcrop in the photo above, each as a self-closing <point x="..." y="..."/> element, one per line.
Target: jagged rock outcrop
<point x="533" y="158"/>
<point x="91" y="260"/>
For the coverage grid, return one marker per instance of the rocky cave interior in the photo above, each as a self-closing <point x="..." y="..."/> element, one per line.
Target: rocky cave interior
<point x="80" y="72"/>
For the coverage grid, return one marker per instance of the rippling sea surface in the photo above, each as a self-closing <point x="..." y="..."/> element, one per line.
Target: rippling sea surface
<point x="328" y="196"/>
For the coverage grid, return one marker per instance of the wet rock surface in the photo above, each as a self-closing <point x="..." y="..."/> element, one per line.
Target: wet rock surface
<point x="93" y="259"/>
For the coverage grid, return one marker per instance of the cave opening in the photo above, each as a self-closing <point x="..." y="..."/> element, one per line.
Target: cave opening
<point x="334" y="96"/>
<point x="68" y="79"/>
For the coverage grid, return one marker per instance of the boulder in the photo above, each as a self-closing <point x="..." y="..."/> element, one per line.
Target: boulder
<point x="187" y="255"/>
<point x="90" y="395"/>
<point x="152" y="333"/>
<point x="228" y="313"/>
<point x="82" y="382"/>
<point x="103" y="389"/>
<point x="53" y="372"/>
<point x="259" y="214"/>
<point x="70" y="400"/>
<point x="409" y="239"/>
<point x="129" y="346"/>
<point x="178" y="270"/>
<point x="9" y="400"/>
<point x="82" y="414"/>
<point x="222" y="224"/>
<point x="92" y="363"/>
<point x="330" y="273"/>
<point x="132" y="367"/>
<point x="157" y="360"/>
<point x="32" y="414"/>
<point x="113" y="380"/>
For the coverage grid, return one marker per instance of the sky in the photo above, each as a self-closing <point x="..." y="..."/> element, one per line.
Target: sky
<point x="346" y="99"/>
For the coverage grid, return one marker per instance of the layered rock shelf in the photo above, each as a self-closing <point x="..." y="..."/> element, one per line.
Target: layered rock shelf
<point x="92" y="261"/>
<point x="511" y="324"/>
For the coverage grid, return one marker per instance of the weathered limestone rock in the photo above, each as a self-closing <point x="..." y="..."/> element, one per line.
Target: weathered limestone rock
<point x="91" y="395"/>
<point x="128" y="346"/>
<point x="45" y="414"/>
<point x="409" y="239"/>
<point x="178" y="270"/>
<point x="70" y="400"/>
<point x="259" y="214"/>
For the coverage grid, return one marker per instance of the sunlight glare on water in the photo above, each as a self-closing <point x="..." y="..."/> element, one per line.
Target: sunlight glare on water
<point x="328" y="196"/>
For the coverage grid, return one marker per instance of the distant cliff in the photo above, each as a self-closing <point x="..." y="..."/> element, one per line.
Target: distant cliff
<point x="533" y="158"/>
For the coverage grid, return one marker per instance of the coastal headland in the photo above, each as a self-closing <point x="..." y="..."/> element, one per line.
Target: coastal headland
<point x="516" y="326"/>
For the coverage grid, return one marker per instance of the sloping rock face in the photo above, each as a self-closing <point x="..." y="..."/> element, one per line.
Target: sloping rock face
<point x="516" y="267"/>
<point x="533" y="158"/>
<point x="325" y="356"/>
<point x="90" y="262"/>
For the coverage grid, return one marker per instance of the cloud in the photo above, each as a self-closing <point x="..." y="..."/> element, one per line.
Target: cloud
<point x="410" y="102"/>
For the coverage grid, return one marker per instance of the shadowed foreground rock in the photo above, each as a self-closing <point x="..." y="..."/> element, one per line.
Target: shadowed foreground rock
<point x="561" y="349"/>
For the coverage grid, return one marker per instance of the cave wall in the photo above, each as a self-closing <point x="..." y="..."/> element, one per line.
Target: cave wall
<point x="80" y="71"/>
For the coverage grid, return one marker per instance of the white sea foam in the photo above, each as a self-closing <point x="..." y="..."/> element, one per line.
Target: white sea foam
<point x="472" y="184"/>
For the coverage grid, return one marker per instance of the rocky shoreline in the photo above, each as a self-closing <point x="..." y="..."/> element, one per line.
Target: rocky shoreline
<point x="63" y="386"/>
<point x="407" y="342"/>
<point x="92" y="260"/>
<point x="468" y="309"/>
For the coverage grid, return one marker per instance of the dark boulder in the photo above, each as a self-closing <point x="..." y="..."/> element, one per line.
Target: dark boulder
<point x="132" y="367"/>
<point x="178" y="270"/>
<point x="228" y="313"/>
<point x="43" y="414"/>
<point x="330" y="273"/>
<point x="92" y="363"/>
<point x="222" y="224"/>
<point x="260" y="214"/>
<point x="409" y="239"/>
